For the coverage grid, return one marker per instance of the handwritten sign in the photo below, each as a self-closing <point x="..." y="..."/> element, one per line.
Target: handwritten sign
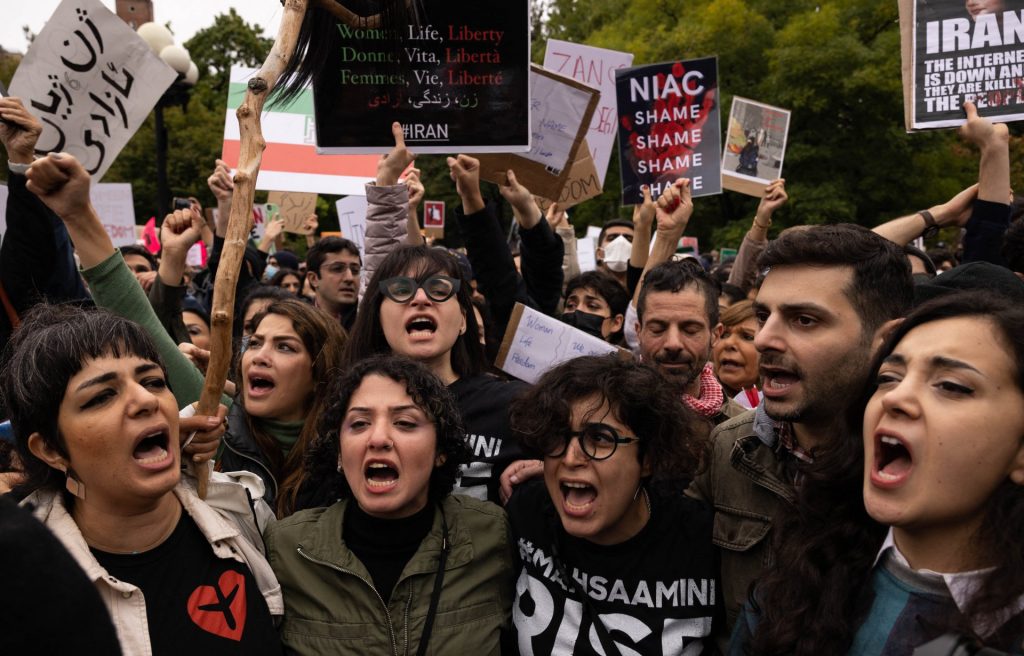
<point x="535" y="342"/>
<point x="92" y="81"/>
<point x="669" y="127"/>
<point x="116" y="208"/>
<point x="586" y="254"/>
<point x="594" y="67"/>
<point x="262" y="214"/>
<point x="457" y="81"/>
<point x="583" y="183"/>
<point x="291" y="162"/>
<point x="295" y="208"/>
<point x="352" y="219"/>
<point x="561" y="111"/>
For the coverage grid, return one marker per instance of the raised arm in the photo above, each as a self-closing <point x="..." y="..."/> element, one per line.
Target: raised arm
<point x="180" y="230"/>
<point x="541" y="252"/>
<point x="990" y="217"/>
<point x="744" y="269"/>
<point x="954" y="212"/>
<point x="387" y="206"/>
<point x="673" y="211"/>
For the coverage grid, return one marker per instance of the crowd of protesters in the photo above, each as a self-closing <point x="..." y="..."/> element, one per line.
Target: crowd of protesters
<point x="816" y="447"/>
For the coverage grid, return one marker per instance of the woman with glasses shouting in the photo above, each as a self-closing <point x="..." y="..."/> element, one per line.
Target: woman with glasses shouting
<point x="418" y="304"/>
<point x="608" y="563"/>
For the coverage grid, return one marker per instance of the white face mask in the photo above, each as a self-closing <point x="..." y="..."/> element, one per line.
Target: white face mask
<point x="616" y="254"/>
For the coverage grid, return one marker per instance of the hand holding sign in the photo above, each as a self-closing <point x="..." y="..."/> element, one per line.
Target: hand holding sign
<point x="774" y="197"/>
<point x="982" y="132"/>
<point x="674" y="208"/>
<point x="390" y="166"/>
<point x="19" y="130"/>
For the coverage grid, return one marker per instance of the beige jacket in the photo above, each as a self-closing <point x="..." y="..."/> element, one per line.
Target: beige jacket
<point x="221" y="518"/>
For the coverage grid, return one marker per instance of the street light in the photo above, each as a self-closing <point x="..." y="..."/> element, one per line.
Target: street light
<point x="161" y="41"/>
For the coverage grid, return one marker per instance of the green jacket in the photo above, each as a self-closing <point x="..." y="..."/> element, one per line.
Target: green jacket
<point x="331" y="606"/>
<point x="743" y="481"/>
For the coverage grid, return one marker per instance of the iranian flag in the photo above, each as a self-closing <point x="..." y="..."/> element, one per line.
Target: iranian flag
<point x="290" y="162"/>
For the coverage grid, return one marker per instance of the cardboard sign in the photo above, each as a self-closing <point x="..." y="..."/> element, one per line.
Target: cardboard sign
<point x="295" y="208"/>
<point x="291" y="162"/>
<point x="116" y="208"/>
<point x="3" y="209"/>
<point x="583" y="183"/>
<point x="586" y="254"/>
<point x="669" y="127"/>
<point x="954" y="52"/>
<point x="560" y="113"/>
<point x="92" y="81"/>
<point x="352" y="219"/>
<point x="535" y="342"/>
<point x="755" y="144"/>
<point x="594" y="67"/>
<point x="457" y="81"/>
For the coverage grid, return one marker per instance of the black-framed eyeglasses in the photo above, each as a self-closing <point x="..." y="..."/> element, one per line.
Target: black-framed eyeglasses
<point x="402" y="289"/>
<point x="597" y="441"/>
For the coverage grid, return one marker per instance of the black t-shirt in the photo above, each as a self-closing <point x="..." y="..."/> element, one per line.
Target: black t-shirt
<point x="483" y="402"/>
<point x="656" y="594"/>
<point x="385" y="546"/>
<point x="197" y="603"/>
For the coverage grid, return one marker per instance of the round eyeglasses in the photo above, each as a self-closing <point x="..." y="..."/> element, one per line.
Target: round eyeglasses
<point x="402" y="289"/>
<point x="597" y="441"/>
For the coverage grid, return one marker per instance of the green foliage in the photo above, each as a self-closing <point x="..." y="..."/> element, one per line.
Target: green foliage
<point x="195" y="133"/>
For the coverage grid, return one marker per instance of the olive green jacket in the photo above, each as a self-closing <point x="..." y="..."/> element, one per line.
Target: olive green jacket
<point x="331" y="606"/>
<point x="743" y="481"/>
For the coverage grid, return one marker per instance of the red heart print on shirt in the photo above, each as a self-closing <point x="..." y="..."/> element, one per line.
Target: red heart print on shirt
<point x="220" y="609"/>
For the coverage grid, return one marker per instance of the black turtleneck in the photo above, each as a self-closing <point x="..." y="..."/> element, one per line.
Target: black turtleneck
<point x="385" y="546"/>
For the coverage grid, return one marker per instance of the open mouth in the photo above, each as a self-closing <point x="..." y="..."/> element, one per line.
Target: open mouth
<point x="260" y="385"/>
<point x="726" y="363"/>
<point x="893" y="461"/>
<point x="777" y="381"/>
<point x="381" y="476"/>
<point x="152" y="448"/>
<point x="577" y="496"/>
<point x="423" y="326"/>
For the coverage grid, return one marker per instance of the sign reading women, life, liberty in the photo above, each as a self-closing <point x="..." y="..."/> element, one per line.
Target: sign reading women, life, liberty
<point x="966" y="50"/>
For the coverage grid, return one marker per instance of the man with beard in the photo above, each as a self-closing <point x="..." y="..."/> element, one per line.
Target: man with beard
<point x="830" y="295"/>
<point x="333" y="266"/>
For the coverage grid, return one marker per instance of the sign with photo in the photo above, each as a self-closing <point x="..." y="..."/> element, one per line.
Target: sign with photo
<point x="755" y="143"/>
<point x="669" y="127"/>
<point x="458" y="81"/>
<point x="955" y="52"/>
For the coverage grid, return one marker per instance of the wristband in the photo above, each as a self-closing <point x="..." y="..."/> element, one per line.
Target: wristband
<point x="931" y="226"/>
<point x="19" y="169"/>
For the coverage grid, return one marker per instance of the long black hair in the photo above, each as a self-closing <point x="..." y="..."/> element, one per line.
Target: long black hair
<point x="818" y="592"/>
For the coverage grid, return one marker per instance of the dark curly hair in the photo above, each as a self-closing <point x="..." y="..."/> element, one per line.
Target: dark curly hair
<point x="427" y="392"/>
<point x="671" y="436"/>
<point x="47" y="351"/>
<point x="816" y="594"/>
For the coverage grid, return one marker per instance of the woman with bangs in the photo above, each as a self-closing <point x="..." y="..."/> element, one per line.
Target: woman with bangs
<point x="101" y="444"/>
<point x="913" y="536"/>
<point x="613" y="558"/>
<point x="735" y="357"/>
<point x="419" y="305"/>
<point x="399" y="564"/>
<point x="282" y="376"/>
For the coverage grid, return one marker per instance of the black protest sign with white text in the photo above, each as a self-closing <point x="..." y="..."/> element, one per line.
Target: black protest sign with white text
<point x="669" y="127"/>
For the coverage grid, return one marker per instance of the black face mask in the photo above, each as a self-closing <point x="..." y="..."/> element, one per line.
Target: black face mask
<point x="585" y="321"/>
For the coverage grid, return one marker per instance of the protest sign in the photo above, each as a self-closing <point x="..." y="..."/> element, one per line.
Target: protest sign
<point x="92" y="81"/>
<point x="669" y="127"/>
<point x="596" y="68"/>
<point x="586" y="254"/>
<point x="535" y="342"/>
<point x="457" y="82"/>
<point x="3" y="209"/>
<point x="196" y="256"/>
<point x="290" y="162"/>
<point x="352" y="219"/>
<point x="955" y="52"/>
<point x="726" y="253"/>
<point x="295" y="208"/>
<point x="582" y="184"/>
<point x="688" y="246"/>
<point x="116" y="208"/>
<point x="262" y="214"/>
<point x="755" y="143"/>
<point x="560" y="112"/>
<point x="433" y="218"/>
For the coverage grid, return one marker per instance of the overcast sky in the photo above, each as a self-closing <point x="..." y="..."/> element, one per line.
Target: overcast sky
<point x="185" y="16"/>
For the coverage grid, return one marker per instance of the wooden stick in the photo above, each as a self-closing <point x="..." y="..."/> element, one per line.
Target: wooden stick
<point x="240" y="221"/>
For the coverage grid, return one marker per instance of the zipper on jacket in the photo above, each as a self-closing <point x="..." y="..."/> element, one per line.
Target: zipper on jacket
<point x="238" y="453"/>
<point x="391" y="626"/>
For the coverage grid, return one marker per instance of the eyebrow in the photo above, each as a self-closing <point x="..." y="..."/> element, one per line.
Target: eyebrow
<point x="112" y="375"/>
<point x="937" y="362"/>
<point x="393" y="408"/>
